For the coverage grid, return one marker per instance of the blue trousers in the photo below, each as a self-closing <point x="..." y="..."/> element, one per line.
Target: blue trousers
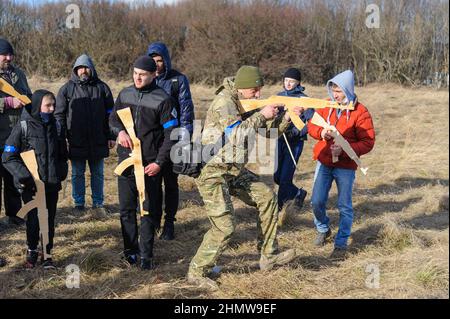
<point x="79" y="185"/>
<point x="323" y="178"/>
<point x="286" y="169"/>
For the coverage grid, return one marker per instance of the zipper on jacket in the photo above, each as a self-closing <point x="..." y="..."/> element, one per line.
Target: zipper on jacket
<point x="138" y="111"/>
<point x="47" y="149"/>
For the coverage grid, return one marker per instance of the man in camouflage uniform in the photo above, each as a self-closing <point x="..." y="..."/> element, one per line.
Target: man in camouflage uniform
<point x="224" y="175"/>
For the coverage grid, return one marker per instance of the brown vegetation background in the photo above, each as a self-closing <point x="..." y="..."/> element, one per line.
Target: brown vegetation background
<point x="210" y="39"/>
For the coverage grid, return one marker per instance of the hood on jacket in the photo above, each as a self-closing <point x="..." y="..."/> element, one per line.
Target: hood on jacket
<point x="84" y="60"/>
<point x="297" y="91"/>
<point x="160" y="48"/>
<point x="228" y="88"/>
<point x="34" y="108"/>
<point x="346" y="82"/>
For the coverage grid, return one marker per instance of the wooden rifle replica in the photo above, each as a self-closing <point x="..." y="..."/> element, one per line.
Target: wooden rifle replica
<point x="38" y="201"/>
<point x="339" y="140"/>
<point x="135" y="158"/>
<point x="290" y="103"/>
<point x="9" y="89"/>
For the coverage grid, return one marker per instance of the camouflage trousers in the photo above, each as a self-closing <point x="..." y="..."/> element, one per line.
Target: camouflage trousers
<point x="216" y="187"/>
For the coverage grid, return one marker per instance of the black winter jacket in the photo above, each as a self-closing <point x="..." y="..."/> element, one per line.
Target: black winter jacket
<point x="154" y="117"/>
<point x="50" y="149"/>
<point x="83" y="109"/>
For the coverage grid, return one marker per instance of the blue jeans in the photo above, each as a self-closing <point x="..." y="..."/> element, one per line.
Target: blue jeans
<point x="323" y="179"/>
<point x="79" y="185"/>
<point x="286" y="169"/>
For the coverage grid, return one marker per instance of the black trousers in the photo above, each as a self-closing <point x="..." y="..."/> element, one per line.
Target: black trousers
<point x="33" y="220"/>
<point x="171" y="192"/>
<point x="11" y="195"/>
<point x="129" y="203"/>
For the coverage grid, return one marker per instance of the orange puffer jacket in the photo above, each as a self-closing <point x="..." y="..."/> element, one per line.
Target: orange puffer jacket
<point x="356" y="127"/>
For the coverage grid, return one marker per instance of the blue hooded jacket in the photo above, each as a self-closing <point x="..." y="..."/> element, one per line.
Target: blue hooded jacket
<point x="292" y="133"/>
<point x="185" y="106"/>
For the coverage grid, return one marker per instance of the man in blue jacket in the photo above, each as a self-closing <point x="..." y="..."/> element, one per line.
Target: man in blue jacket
<point x="284" y="174"/>
<point x="176" y="85"/>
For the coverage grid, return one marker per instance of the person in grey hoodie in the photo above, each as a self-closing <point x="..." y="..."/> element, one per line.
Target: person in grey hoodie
<point x="83" y="106"/>
<point x="355" y="126"/>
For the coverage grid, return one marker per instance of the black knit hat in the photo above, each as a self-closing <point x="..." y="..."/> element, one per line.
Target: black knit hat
<point x="293" y="73"/>
<point x="145" y="63"/>
<point x="6" y="47"/>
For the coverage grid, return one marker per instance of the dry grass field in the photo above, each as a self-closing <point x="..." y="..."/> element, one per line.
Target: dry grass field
<point x="401" y="225"/>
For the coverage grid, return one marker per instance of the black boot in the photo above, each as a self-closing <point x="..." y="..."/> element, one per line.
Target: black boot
<point x="147" y="264"/>
<point x="168" y="232"/>
<point x="2" y="261"/>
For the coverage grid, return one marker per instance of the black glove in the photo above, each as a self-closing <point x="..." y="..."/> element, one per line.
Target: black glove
<point x="27" y="184"/>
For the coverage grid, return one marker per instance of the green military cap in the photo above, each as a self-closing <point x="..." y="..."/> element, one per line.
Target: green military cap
<point x="248" y="77"/>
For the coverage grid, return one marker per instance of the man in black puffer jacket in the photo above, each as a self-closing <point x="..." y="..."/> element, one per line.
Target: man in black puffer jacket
<point x="176" y="84"/>
<point x="83" y="106"/>
<point x="38" y="131"/>
<point x="154" y="118"/>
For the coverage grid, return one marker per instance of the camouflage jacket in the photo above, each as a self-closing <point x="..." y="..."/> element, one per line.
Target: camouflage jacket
<point x="224" y="116"/>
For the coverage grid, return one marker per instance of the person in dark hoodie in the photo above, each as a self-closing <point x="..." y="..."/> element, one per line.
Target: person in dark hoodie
<point x="356" y="127"/>
<point x="289" y="195"/>
<point x="153" y="115"/>
<point x="38" y="131"/>
<point x="83" y="106"/>
<point x="176" y="85"/>
<point x="10" y="110"/>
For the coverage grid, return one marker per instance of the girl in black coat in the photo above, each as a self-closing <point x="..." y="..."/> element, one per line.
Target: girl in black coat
<point x="38" y="131"/>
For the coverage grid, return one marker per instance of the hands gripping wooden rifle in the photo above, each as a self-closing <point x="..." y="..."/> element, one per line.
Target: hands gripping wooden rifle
<point x="339" y="140"/>
<point x="9" y="89"/>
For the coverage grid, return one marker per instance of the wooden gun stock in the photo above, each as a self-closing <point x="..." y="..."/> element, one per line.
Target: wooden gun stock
<point x="38" y="201"/>
<point x="9" y="89"/>
<point x="339" y="140"/>
<point x="135" y="159"/>
<point x="290" y="103"/>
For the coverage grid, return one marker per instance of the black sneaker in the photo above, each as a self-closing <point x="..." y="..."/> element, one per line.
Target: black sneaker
<point x="3" y="226"/>
<point x="32" y="257"/>
<point x="168" y="232"/>
<point x="48" y="264"/>
<point x="2" y="261"/>
<point x="300" y="198"/>
<point x="338" y="254"/>
<point x="147" y="264"/>
<point x="321" y="238"/>
<point x="131" y="259"/>
<point x="15" y="221"/>
<point x="79" y="208"/>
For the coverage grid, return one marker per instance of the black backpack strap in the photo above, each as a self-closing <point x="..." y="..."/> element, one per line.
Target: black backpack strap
<point x="24" y="128"/>
<point x="70" y="88"/>
<point x="175" y="88"/>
